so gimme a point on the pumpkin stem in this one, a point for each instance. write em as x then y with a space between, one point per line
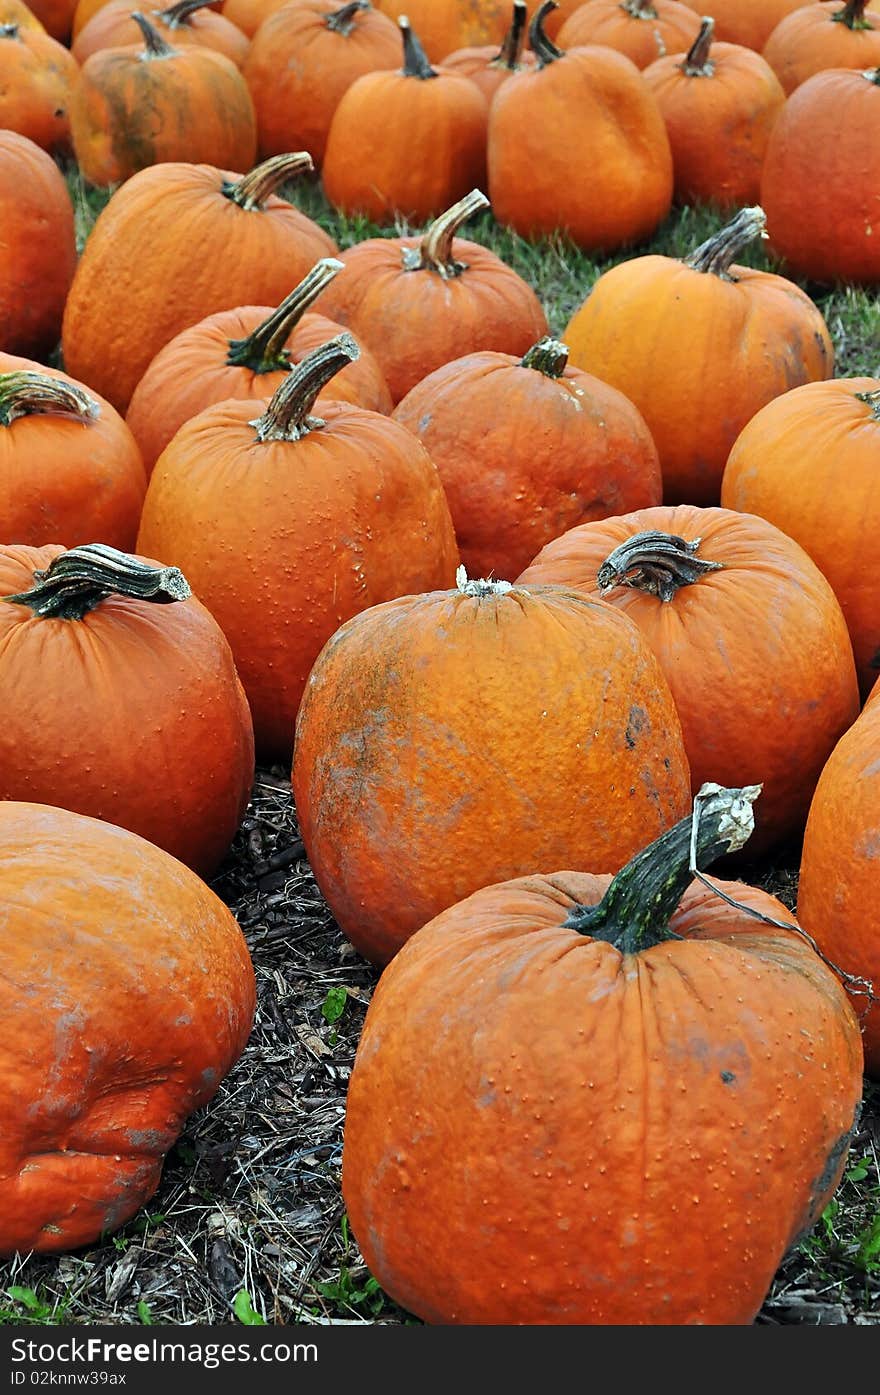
341 21
415 60
873 75
78 580
287 416
479 589
29 394
154 45
873 401
514 39
635 911
717 253
852 15
8 31
177 15
541 45
657 563
639 9
548 356
252 190
434 252
697 63
263 350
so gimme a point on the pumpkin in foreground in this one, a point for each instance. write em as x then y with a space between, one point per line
126 994
579 1100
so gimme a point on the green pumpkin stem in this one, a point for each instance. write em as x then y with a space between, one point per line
872 399
541 45
415 60
635 911
514 40
287 417
154 45
698 62
852 15
78 580
341 21
252 190
659 564
549 356
718 253
434 252
263 350
28 394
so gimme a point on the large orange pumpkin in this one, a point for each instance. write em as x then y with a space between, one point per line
828 35
808 463
449 740
488 66
746 22
187 22
37 247
126 993
585 1101
37 77
642 29
174 244
287 524
446 25
700 346
713 592
114 706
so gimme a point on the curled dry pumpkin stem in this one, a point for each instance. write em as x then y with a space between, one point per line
852 15
872 400
657 563
341 21
549 356
29 394
154 45
434 252
697 61
514 40
263 351
415 60
287 417
252 190
540 43
480 587
178 16
78 580
717 254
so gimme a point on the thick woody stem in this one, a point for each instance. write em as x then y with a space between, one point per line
543 47
548 356
434 252
718 253
659 564
852 15
415 60
287 417
253 189
154 45
179 15
698 62
78 580
29 394
263 351
341 21
514 39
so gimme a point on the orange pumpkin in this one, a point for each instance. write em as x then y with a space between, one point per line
446 25
187 22
712 591
578 1101
700 346
428 734
827 35
37 246
720 105
746 22
486 65
418 303
55 16
578 146
70 471
287 525
244 353
527 448
133 685
174 244
126 993
644 30
787 466
248 15
37 77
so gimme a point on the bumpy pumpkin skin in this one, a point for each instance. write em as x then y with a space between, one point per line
757 655
643 30
37 247
808 463
424 740
36 86
746 22
154 683
814 38
543 1130
445 25
113 27
127 993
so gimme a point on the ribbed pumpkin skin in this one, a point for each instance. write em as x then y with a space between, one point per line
699 356
524 456
746 22
283 541
808 464
810 39
126 993
144 722
113 27
38 77
298 70
821 182
191 373
542 1130
172 248
445 25
424 740
757 655
37 247
837 893
590 137
671 29
718 124
65 482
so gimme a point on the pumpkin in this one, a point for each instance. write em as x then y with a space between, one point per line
419 302
187 22
487 66
712 592
38 76
174 244
303 60
69 467
807 462
450 740
243 353
248 15
127 993
837 894
446 25
561 12
719 104
440 153
37 246
55 16
288 524
700 346
827 35
527 448
642 29
147 104
746 22
822 176
584 1101
578 146
116 707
